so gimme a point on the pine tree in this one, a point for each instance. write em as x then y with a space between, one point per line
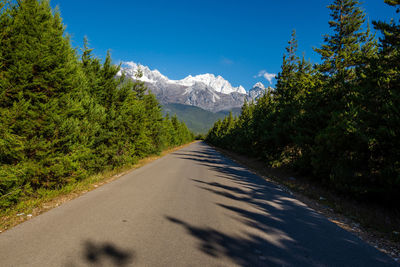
264 122
390 44
285 77
244 129
342 50
380 83
284 94
39 97
342 54
61 118
339 120
294 84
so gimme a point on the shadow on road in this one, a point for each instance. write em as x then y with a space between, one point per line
106 254
243 251
279 230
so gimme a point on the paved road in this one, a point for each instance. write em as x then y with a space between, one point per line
192 207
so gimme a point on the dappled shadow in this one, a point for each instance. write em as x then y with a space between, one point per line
276 228
106 254
243 251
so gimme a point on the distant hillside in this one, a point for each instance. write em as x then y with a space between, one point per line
197 119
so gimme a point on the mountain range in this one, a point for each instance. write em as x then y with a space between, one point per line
206 91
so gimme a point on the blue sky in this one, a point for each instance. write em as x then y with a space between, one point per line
234 39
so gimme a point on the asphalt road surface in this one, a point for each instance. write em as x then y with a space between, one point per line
193 207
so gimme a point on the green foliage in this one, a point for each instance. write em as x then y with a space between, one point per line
197 120
63 118
342 50
338 121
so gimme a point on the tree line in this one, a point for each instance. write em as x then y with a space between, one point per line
66 115
337 121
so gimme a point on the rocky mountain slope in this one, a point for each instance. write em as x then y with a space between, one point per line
207 91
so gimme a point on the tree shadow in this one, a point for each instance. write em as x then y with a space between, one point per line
277 229
106 253
243 251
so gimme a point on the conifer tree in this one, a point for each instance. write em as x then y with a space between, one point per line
342 54
390 47
39 95
342 50
139 86
288 69
379 104
61 118
285 92
339 120
294 84
390 42
244 129
264 122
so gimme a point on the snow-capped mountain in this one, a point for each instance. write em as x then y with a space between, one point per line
206 91
218 83
149 76
256 91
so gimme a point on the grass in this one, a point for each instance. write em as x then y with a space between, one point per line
46 199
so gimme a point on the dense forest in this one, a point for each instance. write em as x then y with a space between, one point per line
198 120
337 121
64 114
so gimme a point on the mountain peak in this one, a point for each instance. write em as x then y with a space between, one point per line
257 91
150 76
217 84
259 85
207 91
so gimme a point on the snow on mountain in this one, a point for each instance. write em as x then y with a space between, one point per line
149 76
218 84
206 91
259 85
256 91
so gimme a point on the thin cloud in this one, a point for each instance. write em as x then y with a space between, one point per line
226 61
266 75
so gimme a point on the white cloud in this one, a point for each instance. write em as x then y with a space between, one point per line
266 75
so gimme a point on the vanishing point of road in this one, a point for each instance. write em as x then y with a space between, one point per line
193 207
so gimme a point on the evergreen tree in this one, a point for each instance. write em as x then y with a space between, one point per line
390 42
284 96
343 53
61 118
40 97
264 123
244 134
284 81
339 120
379 88
342 50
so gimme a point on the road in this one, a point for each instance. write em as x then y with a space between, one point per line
193 207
